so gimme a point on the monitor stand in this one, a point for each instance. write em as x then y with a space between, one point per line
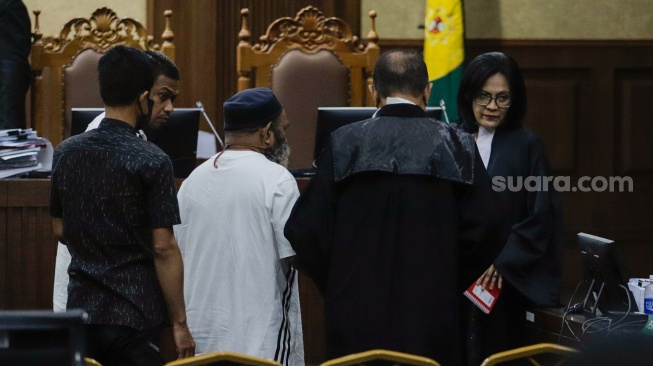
590 308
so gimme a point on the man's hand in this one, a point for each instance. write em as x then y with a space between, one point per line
184 342
170 271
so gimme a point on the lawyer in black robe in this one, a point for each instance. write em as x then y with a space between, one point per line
492 94
398 221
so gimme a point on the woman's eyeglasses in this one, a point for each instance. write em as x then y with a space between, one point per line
484 99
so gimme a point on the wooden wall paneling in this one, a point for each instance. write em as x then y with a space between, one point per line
633 91
194 25
16 276
30 245
4 273
553 112
350 12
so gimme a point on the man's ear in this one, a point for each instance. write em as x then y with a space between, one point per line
142 99
375 95
267 137
427 93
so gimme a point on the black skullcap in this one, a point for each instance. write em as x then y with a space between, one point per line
251 108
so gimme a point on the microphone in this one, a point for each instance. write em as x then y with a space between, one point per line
201 107
444 110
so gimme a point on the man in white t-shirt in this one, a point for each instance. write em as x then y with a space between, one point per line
240 288
163 94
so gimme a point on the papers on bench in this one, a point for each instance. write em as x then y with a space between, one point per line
19 151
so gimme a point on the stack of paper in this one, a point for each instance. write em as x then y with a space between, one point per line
19 149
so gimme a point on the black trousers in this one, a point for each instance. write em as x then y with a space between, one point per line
120 345
14 83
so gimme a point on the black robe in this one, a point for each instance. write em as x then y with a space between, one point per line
399 220
532 258
531 261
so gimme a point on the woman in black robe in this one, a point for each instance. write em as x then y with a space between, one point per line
492 105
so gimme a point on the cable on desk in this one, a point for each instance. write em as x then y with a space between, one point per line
590 322
624 325
564 316
629 306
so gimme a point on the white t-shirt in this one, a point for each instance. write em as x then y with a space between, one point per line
241 292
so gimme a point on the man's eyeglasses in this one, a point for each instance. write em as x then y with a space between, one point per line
483 99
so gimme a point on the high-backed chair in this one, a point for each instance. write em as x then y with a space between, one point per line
309 61
380 357
64 67
223 358
530 353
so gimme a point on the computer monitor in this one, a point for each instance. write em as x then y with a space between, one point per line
40 337
330 119
607 284
177 138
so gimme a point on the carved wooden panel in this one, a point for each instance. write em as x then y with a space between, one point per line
100 31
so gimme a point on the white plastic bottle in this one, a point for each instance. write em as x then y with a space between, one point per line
648 297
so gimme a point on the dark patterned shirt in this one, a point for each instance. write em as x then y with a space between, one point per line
111 189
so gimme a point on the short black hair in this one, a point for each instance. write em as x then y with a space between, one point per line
476 74
400 71
124 73
162 65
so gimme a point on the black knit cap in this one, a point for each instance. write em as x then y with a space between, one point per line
250 108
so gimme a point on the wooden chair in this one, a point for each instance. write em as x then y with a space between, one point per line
380 356
42 337
64 67
223 358
529 353
91 362
309 61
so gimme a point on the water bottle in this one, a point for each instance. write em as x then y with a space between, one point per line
648 297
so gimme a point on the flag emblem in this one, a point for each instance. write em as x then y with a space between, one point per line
437 25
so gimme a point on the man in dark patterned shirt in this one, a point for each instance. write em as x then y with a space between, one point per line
113 203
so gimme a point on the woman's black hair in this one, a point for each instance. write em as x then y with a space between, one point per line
476 74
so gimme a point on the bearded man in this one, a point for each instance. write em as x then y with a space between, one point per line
241 289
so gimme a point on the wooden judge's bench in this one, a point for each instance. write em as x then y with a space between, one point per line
27 246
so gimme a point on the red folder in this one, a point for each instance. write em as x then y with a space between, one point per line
484 298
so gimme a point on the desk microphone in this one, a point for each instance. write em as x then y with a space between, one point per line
444 110
201 107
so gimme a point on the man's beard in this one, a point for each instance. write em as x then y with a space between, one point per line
279 152
143 121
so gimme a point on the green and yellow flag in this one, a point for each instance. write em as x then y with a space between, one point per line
444 51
